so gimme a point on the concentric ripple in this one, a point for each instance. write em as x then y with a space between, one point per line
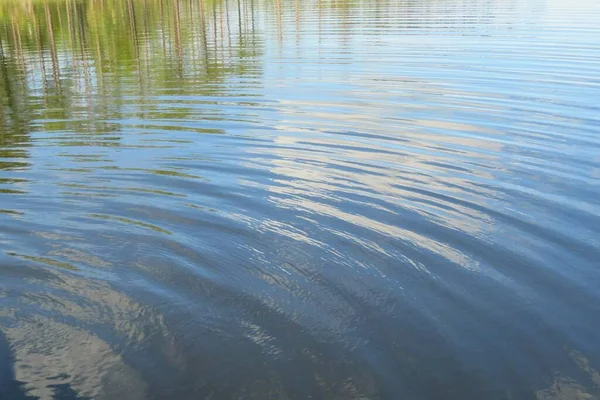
285 199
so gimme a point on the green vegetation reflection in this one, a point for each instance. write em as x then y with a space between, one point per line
93 66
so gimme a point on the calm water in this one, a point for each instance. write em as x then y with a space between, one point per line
279 199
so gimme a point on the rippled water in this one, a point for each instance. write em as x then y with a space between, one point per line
279 199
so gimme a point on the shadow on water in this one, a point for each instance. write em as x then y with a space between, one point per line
10 388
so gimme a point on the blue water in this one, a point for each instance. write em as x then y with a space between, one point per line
278 199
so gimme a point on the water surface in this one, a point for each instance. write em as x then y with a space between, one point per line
279 199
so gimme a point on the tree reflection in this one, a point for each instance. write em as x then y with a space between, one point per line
76 64
13 113
72 65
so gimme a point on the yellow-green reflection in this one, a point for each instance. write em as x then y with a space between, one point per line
84 59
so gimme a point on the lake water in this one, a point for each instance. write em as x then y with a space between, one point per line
300 199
